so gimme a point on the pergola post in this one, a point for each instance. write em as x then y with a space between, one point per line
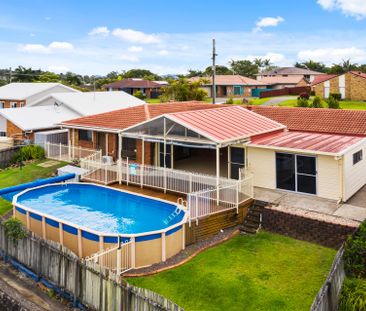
228 161
165 155
217 174
120 157
142 162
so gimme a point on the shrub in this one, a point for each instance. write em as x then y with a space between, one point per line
302 102
353 295
336 96
355 253
230 101
312 93
30 152
304 95
139 94
333 103
317 102
14 229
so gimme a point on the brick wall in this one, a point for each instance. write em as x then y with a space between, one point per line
328 234
148 157
7 103
355 87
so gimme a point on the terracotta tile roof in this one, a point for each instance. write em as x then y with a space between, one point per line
318 142
281 80
132 83
230 80
359 73
322 78
226 123
123 118
321 120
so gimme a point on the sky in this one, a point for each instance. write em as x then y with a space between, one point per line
171 37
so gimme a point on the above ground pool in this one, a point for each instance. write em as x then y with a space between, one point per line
88 218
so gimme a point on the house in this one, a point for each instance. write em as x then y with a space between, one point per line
101 131
15 95
150 89
307 151
52 109
308 75
351 85
230 85
280 82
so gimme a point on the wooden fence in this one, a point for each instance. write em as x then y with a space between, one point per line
286 91
87 283
7 154
328 295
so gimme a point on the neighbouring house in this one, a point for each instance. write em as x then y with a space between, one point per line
101 131
230 85
47 112
150 89
294 72
307 151
280 82
351 85
15 95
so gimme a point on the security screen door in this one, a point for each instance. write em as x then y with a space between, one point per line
296 172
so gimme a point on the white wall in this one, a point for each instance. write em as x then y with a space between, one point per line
55 89
354 175
3 127
262 163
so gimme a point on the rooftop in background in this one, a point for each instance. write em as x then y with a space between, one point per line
37 118
23 90
321 120
299 141
134 83
322 78
91 102
229 80
289 71
281 80
120 119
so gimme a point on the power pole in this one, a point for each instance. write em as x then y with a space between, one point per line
10 77
213 71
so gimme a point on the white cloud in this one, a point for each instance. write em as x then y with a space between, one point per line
355 8
163 52
43 49
56 45
268 22
129 58
103 31
135 49
330 56
58 69
135 36
276 58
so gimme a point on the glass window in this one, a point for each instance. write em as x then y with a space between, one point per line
129 148
2 134
306 184
2 104
357 157
85 135
306 165
285 171
238 90
237 161
13 105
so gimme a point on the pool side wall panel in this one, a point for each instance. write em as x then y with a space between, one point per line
173 243
148 252
52 233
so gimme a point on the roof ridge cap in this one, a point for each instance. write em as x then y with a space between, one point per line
147 112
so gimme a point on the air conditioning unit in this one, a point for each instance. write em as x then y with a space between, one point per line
107 160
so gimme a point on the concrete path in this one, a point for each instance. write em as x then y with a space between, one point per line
278 100
311 203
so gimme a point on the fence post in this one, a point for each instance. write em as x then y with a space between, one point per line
48 149
69 153
133 253
237 197
196 207
142 176
120 171
105 174
163 246
190 182
119 253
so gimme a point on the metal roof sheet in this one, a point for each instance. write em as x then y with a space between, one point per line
317 142
226 123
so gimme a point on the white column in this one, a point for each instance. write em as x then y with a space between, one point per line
228 161
142 162
106 143
165 183
217 173
119 146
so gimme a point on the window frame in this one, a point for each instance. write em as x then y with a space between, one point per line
13 104
357 156
86 138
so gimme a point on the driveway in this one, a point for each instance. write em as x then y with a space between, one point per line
354 209
278 100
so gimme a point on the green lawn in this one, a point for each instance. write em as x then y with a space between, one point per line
258 101
260 272
344 104
29 172
153 100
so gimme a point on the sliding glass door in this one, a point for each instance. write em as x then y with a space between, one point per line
296 172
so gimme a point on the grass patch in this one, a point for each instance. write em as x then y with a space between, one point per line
261 272
356 105
258 101
153 100
14 176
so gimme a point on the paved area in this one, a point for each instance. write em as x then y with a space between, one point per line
278 100
353 209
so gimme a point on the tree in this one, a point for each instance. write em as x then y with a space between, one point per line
343 67
182 90
141 74
194 73
264 64
220 70
244 68
312 65
72 78
22 74
49 77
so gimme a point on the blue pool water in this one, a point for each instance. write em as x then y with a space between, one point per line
102 209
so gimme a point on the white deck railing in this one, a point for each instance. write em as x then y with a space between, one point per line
117 259
70 153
